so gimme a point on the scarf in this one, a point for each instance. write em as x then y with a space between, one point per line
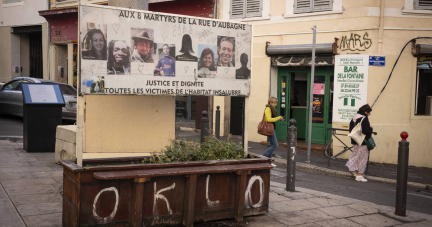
273 110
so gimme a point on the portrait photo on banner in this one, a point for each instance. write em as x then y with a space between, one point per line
94 41
207 61
243 72
226 51
164 59
142 45
187 49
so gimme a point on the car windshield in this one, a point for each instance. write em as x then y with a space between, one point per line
67 90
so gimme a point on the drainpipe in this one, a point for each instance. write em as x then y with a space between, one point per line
381 27
48 43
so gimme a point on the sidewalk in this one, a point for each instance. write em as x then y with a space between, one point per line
418 177
31 187
309 208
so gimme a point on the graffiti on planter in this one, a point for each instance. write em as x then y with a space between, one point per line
248 197
211 204
157 195
356 42
113 213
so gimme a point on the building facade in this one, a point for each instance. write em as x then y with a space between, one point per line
379 29
23 39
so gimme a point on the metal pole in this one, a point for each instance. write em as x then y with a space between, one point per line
217 129
402 175
204 126
311 96
291 160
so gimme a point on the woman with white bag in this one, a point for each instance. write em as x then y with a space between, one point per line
358 160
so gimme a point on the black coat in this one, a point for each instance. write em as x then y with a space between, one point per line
366 129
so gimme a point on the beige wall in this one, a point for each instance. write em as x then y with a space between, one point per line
394 112
127 125
5 57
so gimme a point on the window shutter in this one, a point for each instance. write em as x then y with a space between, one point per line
237 8
422 4
322 5
303 6
253 8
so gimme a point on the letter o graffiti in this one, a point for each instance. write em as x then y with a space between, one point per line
248 197
113 213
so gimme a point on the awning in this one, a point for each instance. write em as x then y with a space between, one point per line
301 54
422 49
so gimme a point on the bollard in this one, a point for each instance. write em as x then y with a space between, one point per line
217 129
204 126
402 175
291 160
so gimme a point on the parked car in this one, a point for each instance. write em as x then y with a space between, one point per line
11 99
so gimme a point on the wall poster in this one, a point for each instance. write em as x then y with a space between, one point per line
350 86
127 51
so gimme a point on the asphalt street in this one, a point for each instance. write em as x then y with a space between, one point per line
375 192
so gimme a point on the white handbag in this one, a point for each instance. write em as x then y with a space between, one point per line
356 134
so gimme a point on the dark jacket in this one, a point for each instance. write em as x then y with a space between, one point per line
366 129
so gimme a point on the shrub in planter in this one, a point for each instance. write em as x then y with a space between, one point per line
182 150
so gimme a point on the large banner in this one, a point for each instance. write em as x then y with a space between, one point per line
350 86
139 52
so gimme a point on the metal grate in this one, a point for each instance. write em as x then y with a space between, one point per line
36 65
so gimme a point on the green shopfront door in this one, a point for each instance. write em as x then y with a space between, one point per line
293 95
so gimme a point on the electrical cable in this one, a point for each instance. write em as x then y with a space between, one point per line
395 66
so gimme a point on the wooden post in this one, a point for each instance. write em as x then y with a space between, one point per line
240 196
137 202
189 201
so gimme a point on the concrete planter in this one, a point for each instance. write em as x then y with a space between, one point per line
122 194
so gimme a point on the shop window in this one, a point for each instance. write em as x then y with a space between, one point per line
310 6
246 8
423 4
424 92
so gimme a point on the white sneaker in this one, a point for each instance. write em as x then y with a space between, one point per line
361 179
273 165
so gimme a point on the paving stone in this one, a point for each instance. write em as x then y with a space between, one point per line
46 158
308 225
25 169
26 182
35 199
44 220
364 209
274 198
259 221
291 195
374 220
426 223
18 159
326 202
293 205
338 222
8 215
58 179
341 211
41 208
8 154
301 217
13 164
29 190
48 174
407 219
13 176
50 164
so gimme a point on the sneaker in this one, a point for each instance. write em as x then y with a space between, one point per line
361 179
273 165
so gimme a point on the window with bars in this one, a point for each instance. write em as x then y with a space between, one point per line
246 8
310 6
423 4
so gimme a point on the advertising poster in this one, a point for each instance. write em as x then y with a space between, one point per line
138 52
350 86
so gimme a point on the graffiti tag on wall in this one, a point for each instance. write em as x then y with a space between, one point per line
355 42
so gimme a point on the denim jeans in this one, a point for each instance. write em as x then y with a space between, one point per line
273 145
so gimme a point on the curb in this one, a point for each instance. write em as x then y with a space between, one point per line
333 172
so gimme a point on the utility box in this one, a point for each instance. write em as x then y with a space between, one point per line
42 113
